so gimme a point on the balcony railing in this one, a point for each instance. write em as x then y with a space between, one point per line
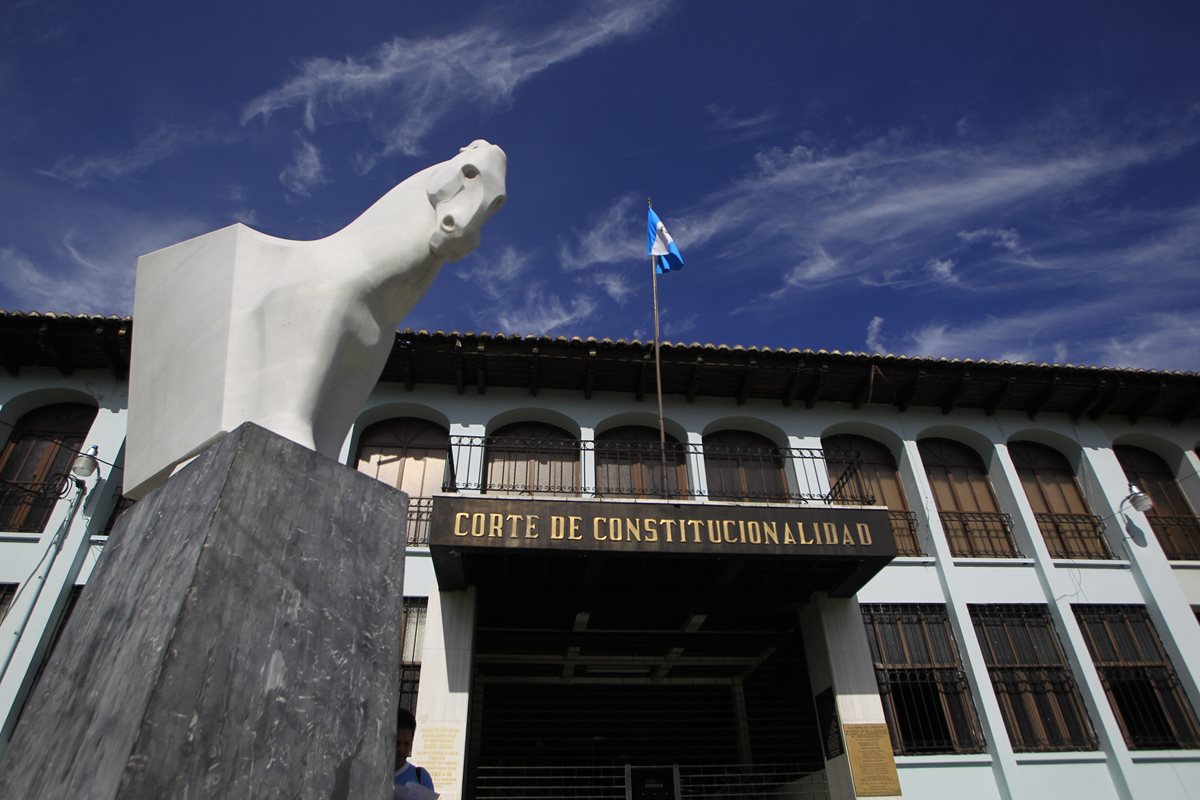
601 782
1179 536
904 531
1074 535
511 465
419 511
979 534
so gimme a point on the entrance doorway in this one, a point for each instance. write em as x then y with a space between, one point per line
689 672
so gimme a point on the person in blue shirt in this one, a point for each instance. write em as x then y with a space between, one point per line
406 728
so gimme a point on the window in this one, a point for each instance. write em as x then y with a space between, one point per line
35 462
925 694
532 457
8 593
1172 519
409 454
1041 704
412 643
1063 516
970 516
1142 687
629 461
744 466
878 471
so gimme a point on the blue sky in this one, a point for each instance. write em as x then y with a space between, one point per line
976 180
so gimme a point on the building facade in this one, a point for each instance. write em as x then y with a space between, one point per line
983 573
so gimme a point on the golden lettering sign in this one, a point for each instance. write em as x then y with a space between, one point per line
872 764
438 749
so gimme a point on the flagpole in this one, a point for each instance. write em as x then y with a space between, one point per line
662 429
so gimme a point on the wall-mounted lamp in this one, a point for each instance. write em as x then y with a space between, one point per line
85 464
1139 499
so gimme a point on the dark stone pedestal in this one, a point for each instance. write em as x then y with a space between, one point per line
240 638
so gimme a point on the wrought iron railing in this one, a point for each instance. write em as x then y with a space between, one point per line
1074 535
419 511
608 782
525 466
904 532
1178 536
979 534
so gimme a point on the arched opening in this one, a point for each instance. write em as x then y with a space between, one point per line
744 466
532 458
1068 525
632 461
409 454
877 470
35 462
1171 518
971 517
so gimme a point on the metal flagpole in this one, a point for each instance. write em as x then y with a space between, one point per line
662 429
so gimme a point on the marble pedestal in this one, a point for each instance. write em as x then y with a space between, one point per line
240 638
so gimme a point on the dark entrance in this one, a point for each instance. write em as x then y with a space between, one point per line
591 669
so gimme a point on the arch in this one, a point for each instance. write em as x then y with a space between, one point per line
886 437
744 465
405 452
21 404
35 462
388 411
1171 517
532 457
981 444
1070 449
1067 523
774 433
546 416
643 419
1168 451
966 504
878 472
631 460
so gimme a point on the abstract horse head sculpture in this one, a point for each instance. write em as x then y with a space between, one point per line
237 326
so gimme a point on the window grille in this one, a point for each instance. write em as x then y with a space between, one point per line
634 462
1172 519
904 532
1062 512
412 642
970 515
979 534
744 466
1139 680
1038 697
926 698
8 593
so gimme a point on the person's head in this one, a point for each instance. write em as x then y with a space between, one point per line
406 727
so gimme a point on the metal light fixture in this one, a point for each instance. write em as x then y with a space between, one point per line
85 464
1139 499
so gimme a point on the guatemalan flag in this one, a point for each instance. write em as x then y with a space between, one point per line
666 253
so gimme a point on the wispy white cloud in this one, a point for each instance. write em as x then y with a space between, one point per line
405 86
497 278
159 145
726 119
875 335
616 285
609 239
543 313
305 172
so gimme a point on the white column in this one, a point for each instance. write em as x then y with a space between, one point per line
697 475
440 745
839 657
587 461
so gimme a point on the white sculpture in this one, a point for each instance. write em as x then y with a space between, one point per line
236 326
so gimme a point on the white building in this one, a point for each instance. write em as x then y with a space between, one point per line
592 608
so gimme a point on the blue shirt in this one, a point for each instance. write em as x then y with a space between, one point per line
411 774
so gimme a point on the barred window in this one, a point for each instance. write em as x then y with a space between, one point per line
1038 697
1171 518
8 593
630 462
1142 686
35 461
409 454
926 699
970 515
412 642
878 471
744 466
533 457
1067 524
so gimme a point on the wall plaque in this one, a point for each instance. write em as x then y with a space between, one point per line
872 763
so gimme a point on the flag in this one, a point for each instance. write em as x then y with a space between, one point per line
666 253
